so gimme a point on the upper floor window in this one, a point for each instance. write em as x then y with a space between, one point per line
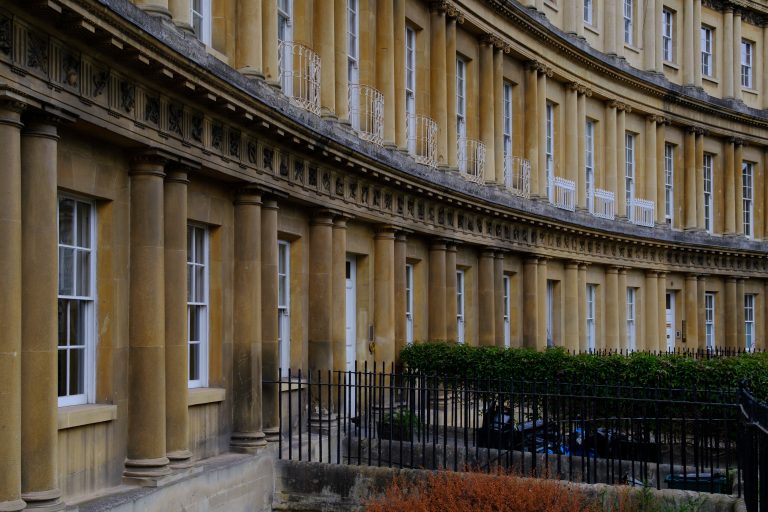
747 56
409 303
749 321
747 173
589 13
708 192
589 161
669 174
353 42
410 87
707 67
197 305
549 149
285 35
507 125
284 305
629 170
285 20
709 319
667 18
201 20
591 294
631 319
628 21
76 301
459 306
461 98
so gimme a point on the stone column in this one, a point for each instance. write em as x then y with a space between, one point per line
320 291
498 297
700 180
270 350
728 77
339 293
730 187
611 36
701 287
611 158
582 298
652 322
572 147
39 330
324 39
621 161
437 79
247 435
542 275
691 332
764 83
498 117
340 61
572 318
649 35
738 175
581 120
485 292
741 335
688 45
737 54
662 311
451 307
611 308
730 309
531 304
384 295
450 67
176 340
146 454
696 39
487 116
541 111
437 291
689 193
182 16
650 159
531 120
10 306
269 42
661 197
249 44
398 7
401 247
622 306
157 8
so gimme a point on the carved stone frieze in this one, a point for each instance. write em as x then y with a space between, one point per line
6 35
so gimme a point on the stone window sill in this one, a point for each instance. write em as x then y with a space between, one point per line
80 415
749 91
632 48
670 64
710 79
202 396
591 28
212 51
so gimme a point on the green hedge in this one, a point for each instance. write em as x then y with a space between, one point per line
556 365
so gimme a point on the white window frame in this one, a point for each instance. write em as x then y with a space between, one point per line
629 170
461 111
201 10
667 31
284 305
550 313
198 304
708 175
747 191
549 149
628 22
409 303
285 34
507 126
591 315
410 87
709 320
460 294
87 300
506 290
589 12
749 322
747 63
589 162
353 56
631 318
669 182
707 51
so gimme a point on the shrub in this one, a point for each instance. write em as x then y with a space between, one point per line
556 365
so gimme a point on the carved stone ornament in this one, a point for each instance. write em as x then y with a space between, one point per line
6 35
268 159
298 170
37 52
152 110
364 194
284 165
70 69
99 80
175 118
376 197
326 181
312 176
127 96
339 186
217 136
196 128
234 143
388 201
251 150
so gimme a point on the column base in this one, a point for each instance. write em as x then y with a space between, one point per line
180 459
157 10
146 468
272 434
251 73
184 27
12 506
163 480
43 500
247 442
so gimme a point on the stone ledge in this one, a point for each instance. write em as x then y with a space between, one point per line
202 396
89 414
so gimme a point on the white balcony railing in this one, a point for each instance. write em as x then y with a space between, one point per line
603 204
643 212
517 175
564 193
471 159
299 68
366 112
421 133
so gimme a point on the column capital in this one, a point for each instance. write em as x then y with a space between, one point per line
612 270
323 216
451 246
453 13
572 264
691 277
701 277
652 274
248 195
499 255
438 6
438 244
532 260
583 265
269 203
150 162
386 231
736 141
177 175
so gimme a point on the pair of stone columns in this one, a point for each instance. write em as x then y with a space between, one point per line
492 108
535 126
442 291
490 279
732 52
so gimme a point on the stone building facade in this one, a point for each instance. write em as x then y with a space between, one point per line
198 194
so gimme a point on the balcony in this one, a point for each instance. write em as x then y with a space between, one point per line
563 193
421 133
471 159
603 204
299 68
517 175
642 212
366 112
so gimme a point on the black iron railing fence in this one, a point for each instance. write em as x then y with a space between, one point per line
753 451
697 353
660 437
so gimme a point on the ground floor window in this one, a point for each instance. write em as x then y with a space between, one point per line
197 304
460 306
409 303
749 321
591 292
709 319
283 305
631 324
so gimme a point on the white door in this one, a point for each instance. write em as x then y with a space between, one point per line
670 321
351 344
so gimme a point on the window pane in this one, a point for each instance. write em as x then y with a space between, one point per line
194 361
62 374
190 283
83 225
63 312
83 273
66 268
200 283
199 245
66 221
76 371
194 323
